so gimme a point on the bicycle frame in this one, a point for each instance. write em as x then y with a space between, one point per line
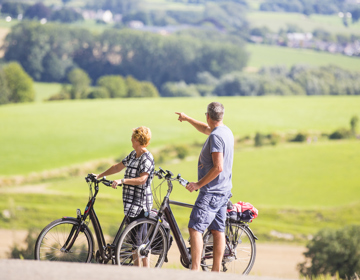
105 250
166 210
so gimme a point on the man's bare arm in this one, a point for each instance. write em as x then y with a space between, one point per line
218 162
200 126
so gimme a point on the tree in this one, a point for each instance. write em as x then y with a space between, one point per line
38 11
4 89
80 83
332 252
19 83
353 123
67 15
13 9
115 85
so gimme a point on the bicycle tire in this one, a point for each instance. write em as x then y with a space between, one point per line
243 245
135 237
50 242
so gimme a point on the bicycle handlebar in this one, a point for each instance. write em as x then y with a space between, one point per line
92 178
168 175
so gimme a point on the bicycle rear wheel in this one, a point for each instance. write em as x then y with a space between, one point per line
54 240
240 250
136 236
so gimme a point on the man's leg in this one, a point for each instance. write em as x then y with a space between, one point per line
218 249
196 243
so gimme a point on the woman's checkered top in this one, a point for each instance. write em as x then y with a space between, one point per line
137 198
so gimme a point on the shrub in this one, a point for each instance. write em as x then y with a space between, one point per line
182 151
341 133
19 83
62 95
259 139
333 252
114 84
99 92
300 137
353 123
80 83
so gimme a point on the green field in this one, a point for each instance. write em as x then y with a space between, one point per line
275 21
267 55
43 136
298 188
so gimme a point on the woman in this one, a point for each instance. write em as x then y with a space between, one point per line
139 172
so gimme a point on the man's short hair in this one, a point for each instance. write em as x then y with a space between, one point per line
216 111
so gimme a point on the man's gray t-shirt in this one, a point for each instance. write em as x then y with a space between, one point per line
220 140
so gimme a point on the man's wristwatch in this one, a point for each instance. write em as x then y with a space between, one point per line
122 181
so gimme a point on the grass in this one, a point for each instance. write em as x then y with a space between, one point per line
267 55
275 21
297 188
43 136
45 90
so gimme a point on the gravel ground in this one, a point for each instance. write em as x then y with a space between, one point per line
36 270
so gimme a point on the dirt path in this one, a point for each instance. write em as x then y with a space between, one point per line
272 260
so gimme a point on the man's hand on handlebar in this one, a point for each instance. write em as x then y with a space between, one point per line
192 187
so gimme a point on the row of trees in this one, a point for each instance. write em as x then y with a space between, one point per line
40 11
112 86
48 52
15 85
276 80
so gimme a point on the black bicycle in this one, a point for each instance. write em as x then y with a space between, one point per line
150 238
70 239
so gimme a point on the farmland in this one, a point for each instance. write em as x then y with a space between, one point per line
298 188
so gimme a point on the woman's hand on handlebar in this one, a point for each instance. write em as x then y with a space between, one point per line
116 183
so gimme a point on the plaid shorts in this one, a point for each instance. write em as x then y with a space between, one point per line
209 212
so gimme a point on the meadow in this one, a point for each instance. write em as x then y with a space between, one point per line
276 21
297 188
267 55
43 136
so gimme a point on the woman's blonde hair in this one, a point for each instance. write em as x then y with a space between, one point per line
143 135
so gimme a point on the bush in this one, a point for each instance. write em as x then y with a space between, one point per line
99 92
333 252
353 123
114 84
182 151
80 83
4 89
259 139
341 133
300 137
19 83
62 95
178 89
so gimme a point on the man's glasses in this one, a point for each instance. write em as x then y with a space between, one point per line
206 114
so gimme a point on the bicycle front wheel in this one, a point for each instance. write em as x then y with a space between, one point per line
130 250
54 242
240 250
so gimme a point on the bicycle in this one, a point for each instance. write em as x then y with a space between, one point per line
70 239
154 243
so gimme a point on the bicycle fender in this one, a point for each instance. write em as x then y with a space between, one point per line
253 235
83 225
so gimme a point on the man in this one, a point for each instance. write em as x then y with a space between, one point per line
214 175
